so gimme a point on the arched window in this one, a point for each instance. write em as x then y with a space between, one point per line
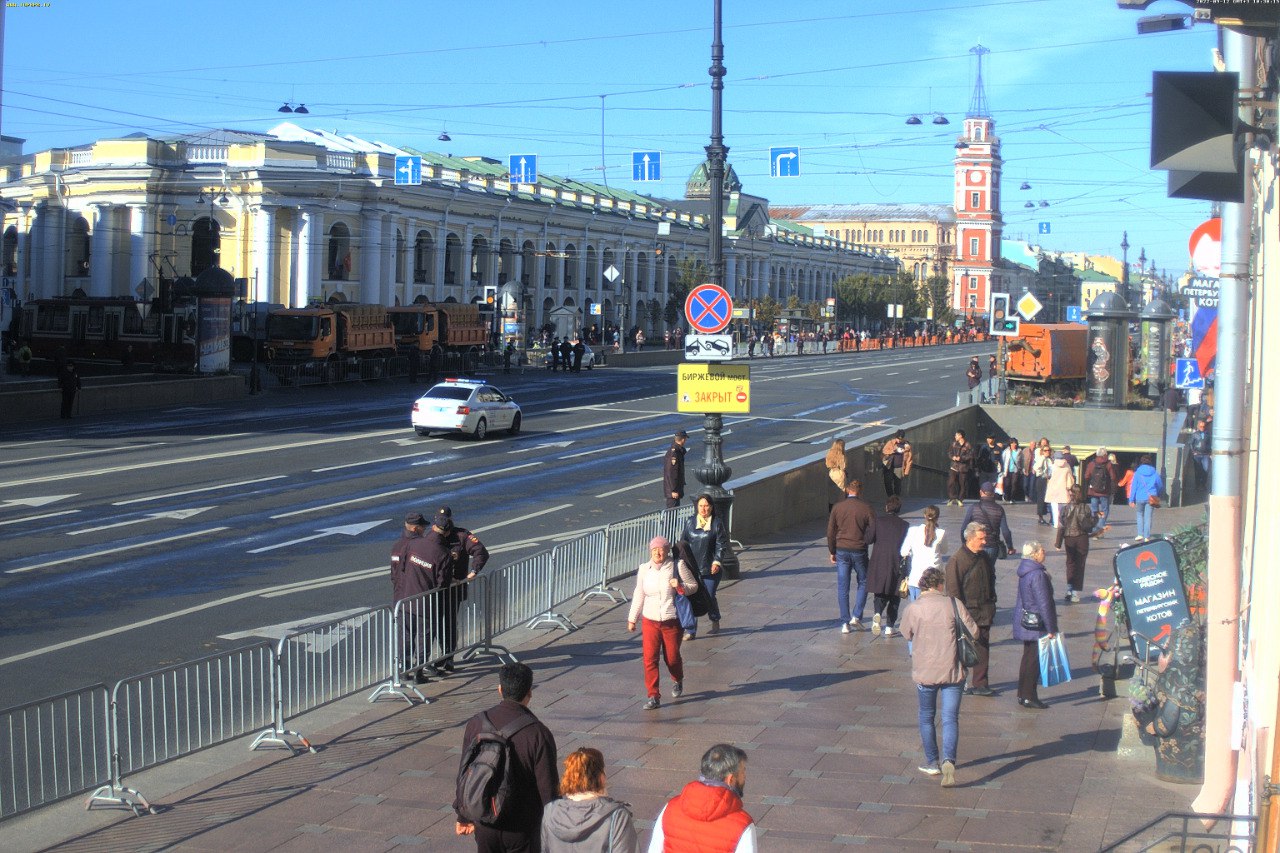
452 258
339 252
400 251
78 248
10 251
206 244
424 257
551 257
570 264
479 262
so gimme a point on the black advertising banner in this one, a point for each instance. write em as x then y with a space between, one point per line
1153 594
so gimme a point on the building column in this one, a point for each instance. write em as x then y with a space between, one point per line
442 249
387 263
410 259
140 242
306 281
731 273
464 274
21 274
100 251
264 252
370 256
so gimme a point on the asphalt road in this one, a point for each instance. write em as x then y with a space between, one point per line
133 542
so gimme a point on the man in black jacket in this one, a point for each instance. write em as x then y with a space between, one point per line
414 570
990 515
534 777
462 556
961 456
673 469
851 527
971 578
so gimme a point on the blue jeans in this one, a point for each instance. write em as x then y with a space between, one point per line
710 583
849 563
928 696
1028 487
1100 505
1142 513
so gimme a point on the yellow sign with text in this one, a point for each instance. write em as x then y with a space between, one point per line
714 388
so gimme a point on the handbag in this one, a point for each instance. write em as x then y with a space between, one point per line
1154 500
1031 620
1002 550
699 601
966 648
1054 667
901 574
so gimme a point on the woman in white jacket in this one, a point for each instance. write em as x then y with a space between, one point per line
654 605
924 546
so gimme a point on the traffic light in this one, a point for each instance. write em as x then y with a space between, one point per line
490 298
1002 321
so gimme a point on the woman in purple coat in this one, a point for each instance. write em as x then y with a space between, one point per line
1035 595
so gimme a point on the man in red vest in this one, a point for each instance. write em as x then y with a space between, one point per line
708 815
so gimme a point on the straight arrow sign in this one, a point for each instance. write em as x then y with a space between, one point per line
47 499
345 530
542 446
178 514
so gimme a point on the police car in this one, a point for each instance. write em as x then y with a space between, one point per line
466 406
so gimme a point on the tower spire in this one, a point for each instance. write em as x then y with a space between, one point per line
978 105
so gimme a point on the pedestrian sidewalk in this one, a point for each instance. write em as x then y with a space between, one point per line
828 721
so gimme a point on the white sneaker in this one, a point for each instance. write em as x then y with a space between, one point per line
875 625
930 769
844 629
855 624
888 632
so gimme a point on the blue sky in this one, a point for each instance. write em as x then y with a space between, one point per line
1066 80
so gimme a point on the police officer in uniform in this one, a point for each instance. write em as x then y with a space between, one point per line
673 469
462 556
414 570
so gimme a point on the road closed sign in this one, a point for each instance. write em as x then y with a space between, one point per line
714 388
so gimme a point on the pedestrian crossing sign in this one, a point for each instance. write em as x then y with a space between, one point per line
1187 374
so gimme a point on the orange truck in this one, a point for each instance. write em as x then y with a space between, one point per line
424 327
1047 353
329 332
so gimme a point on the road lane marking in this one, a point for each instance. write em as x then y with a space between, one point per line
95 451
648 416
203 457
492 472
176 513
104 551
278 631
344 503
165 495
35 502
38 517
612 447
345 530
371 461
498 524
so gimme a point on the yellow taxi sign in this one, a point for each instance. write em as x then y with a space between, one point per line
714 388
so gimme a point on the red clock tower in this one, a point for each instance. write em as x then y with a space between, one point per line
977 204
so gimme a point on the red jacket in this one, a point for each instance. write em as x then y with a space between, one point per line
704 818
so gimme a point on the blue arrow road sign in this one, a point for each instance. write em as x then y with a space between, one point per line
1187 374
1074 314
408 170
784 162
646 165
524 168
1044 227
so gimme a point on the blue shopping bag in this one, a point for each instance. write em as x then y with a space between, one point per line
1054 667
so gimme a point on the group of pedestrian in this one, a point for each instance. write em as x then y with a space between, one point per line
544 811
566 354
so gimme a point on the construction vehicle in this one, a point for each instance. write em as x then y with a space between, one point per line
329 333
432 333
1049 354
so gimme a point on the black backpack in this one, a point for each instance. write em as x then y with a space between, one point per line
484 778
1100 479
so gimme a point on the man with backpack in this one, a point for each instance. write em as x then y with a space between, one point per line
1100 479
508 771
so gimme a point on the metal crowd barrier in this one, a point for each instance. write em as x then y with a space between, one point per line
53 748
93 738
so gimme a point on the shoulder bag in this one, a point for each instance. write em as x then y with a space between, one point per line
966 648
699 601
1031 620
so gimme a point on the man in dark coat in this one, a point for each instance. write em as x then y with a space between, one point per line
462 556
566 354
961 456
971 578
415 569
555 353
673 469
974 374
851 528
988 512
69 384
533 772
579 349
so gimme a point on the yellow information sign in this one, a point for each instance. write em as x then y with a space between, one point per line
714 388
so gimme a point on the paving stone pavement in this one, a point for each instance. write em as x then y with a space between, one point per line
828 721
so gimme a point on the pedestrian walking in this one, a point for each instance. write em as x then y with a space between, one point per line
884 568
1026 470
579 350
1078 523
463 557
707 540
1035 596
973 375
1058 490
988 512
531 775
653 608
566 354
707 815
930 626
1100 479
414 570
555 353
586 819
961 455
896 458
69 385
851 528
837 462
1144 495
673 469
1201 448
992 372
508 353
1010 480
971 578
1041 469
23 357
924 546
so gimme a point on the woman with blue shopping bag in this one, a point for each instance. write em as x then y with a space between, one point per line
1034 618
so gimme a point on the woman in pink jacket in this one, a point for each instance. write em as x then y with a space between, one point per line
654 605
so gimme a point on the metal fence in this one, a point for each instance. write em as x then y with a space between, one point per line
53 748
94 738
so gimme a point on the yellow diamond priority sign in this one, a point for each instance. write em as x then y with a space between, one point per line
1029 306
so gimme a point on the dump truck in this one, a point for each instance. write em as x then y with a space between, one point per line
440 336
1049 353
329 332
